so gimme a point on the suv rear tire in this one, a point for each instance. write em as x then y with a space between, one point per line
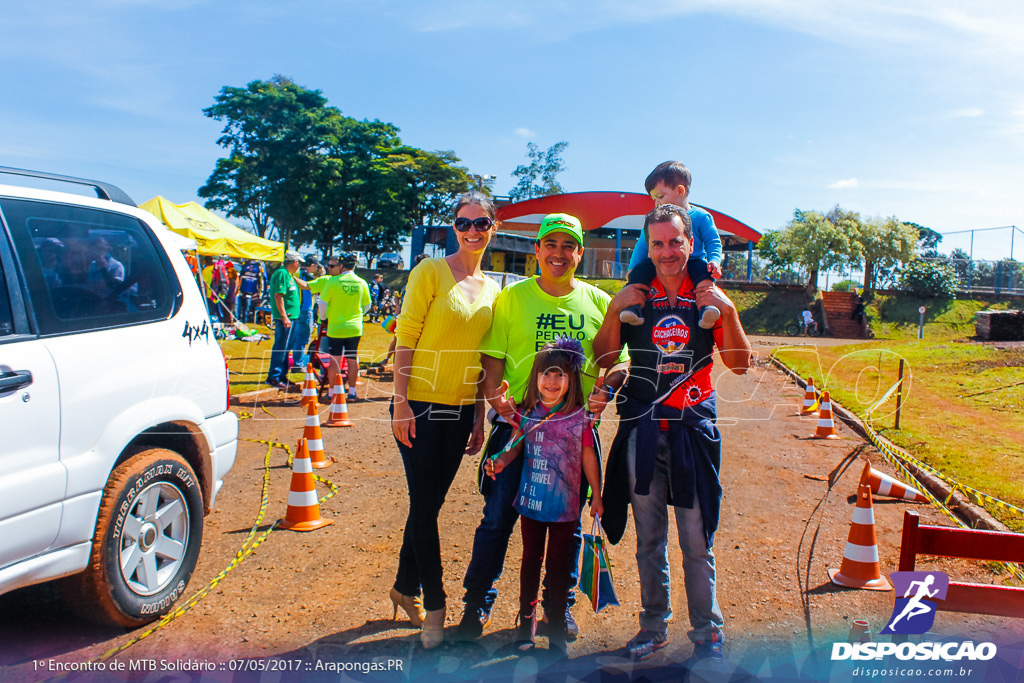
146 544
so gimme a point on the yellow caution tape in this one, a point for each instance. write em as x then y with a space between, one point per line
877 404
900 459
250 544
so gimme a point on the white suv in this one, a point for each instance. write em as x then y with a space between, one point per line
114 428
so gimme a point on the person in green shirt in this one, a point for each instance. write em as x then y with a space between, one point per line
527 315
348 299
284 307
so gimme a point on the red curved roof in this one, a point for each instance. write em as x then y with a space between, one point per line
598 209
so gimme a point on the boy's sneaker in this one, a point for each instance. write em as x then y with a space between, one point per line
709 316
710 650
645 644
572 629
632 315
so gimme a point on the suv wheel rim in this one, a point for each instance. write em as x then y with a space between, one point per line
154 539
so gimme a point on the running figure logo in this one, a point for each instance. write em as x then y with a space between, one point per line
915 611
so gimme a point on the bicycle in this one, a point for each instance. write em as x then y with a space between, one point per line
798 328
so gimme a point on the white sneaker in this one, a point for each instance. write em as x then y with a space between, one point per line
709 317
631 316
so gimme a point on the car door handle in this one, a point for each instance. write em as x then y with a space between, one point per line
14 380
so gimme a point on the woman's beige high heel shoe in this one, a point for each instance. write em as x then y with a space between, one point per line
433 628
413 606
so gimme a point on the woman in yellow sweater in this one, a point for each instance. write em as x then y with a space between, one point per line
437 414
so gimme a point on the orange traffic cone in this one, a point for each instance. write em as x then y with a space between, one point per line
860 567
309 392
314 438
810 398
338 417
303 507
884 485
826 426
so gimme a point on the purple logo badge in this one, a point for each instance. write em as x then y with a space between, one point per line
916 596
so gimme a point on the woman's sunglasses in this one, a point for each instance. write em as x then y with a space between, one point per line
482 224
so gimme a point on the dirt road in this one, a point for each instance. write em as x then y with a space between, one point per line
307 602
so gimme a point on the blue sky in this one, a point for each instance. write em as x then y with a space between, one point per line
913 109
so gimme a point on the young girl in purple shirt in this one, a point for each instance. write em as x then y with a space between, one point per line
557 440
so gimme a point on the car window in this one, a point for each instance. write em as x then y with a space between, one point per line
88 268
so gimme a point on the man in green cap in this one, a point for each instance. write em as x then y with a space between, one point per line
527 315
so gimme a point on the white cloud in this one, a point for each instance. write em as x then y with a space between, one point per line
525 133
968 112
991 29
847 184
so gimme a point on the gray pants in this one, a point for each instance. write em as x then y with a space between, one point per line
650 515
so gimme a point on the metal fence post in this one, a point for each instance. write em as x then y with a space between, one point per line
899 396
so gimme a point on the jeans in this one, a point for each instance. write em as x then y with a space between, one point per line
247 307
650 514
279 353
490 542
302 327
442 432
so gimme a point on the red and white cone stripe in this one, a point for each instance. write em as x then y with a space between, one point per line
303 505
826 426
884 485
860 567
810 398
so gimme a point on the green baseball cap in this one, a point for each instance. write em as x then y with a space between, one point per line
561 222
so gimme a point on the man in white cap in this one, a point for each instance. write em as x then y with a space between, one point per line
284 307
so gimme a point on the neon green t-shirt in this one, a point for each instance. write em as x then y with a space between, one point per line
347 296
281 282
526 318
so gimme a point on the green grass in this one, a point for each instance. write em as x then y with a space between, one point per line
973 439
894 317
767 312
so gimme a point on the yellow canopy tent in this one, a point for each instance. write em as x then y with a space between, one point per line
213 234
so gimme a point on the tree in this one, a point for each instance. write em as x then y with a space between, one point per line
930 279
322 177
357 204
274 133
884 244
434 180
539 178
927 240
237 188
814 241
961 262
